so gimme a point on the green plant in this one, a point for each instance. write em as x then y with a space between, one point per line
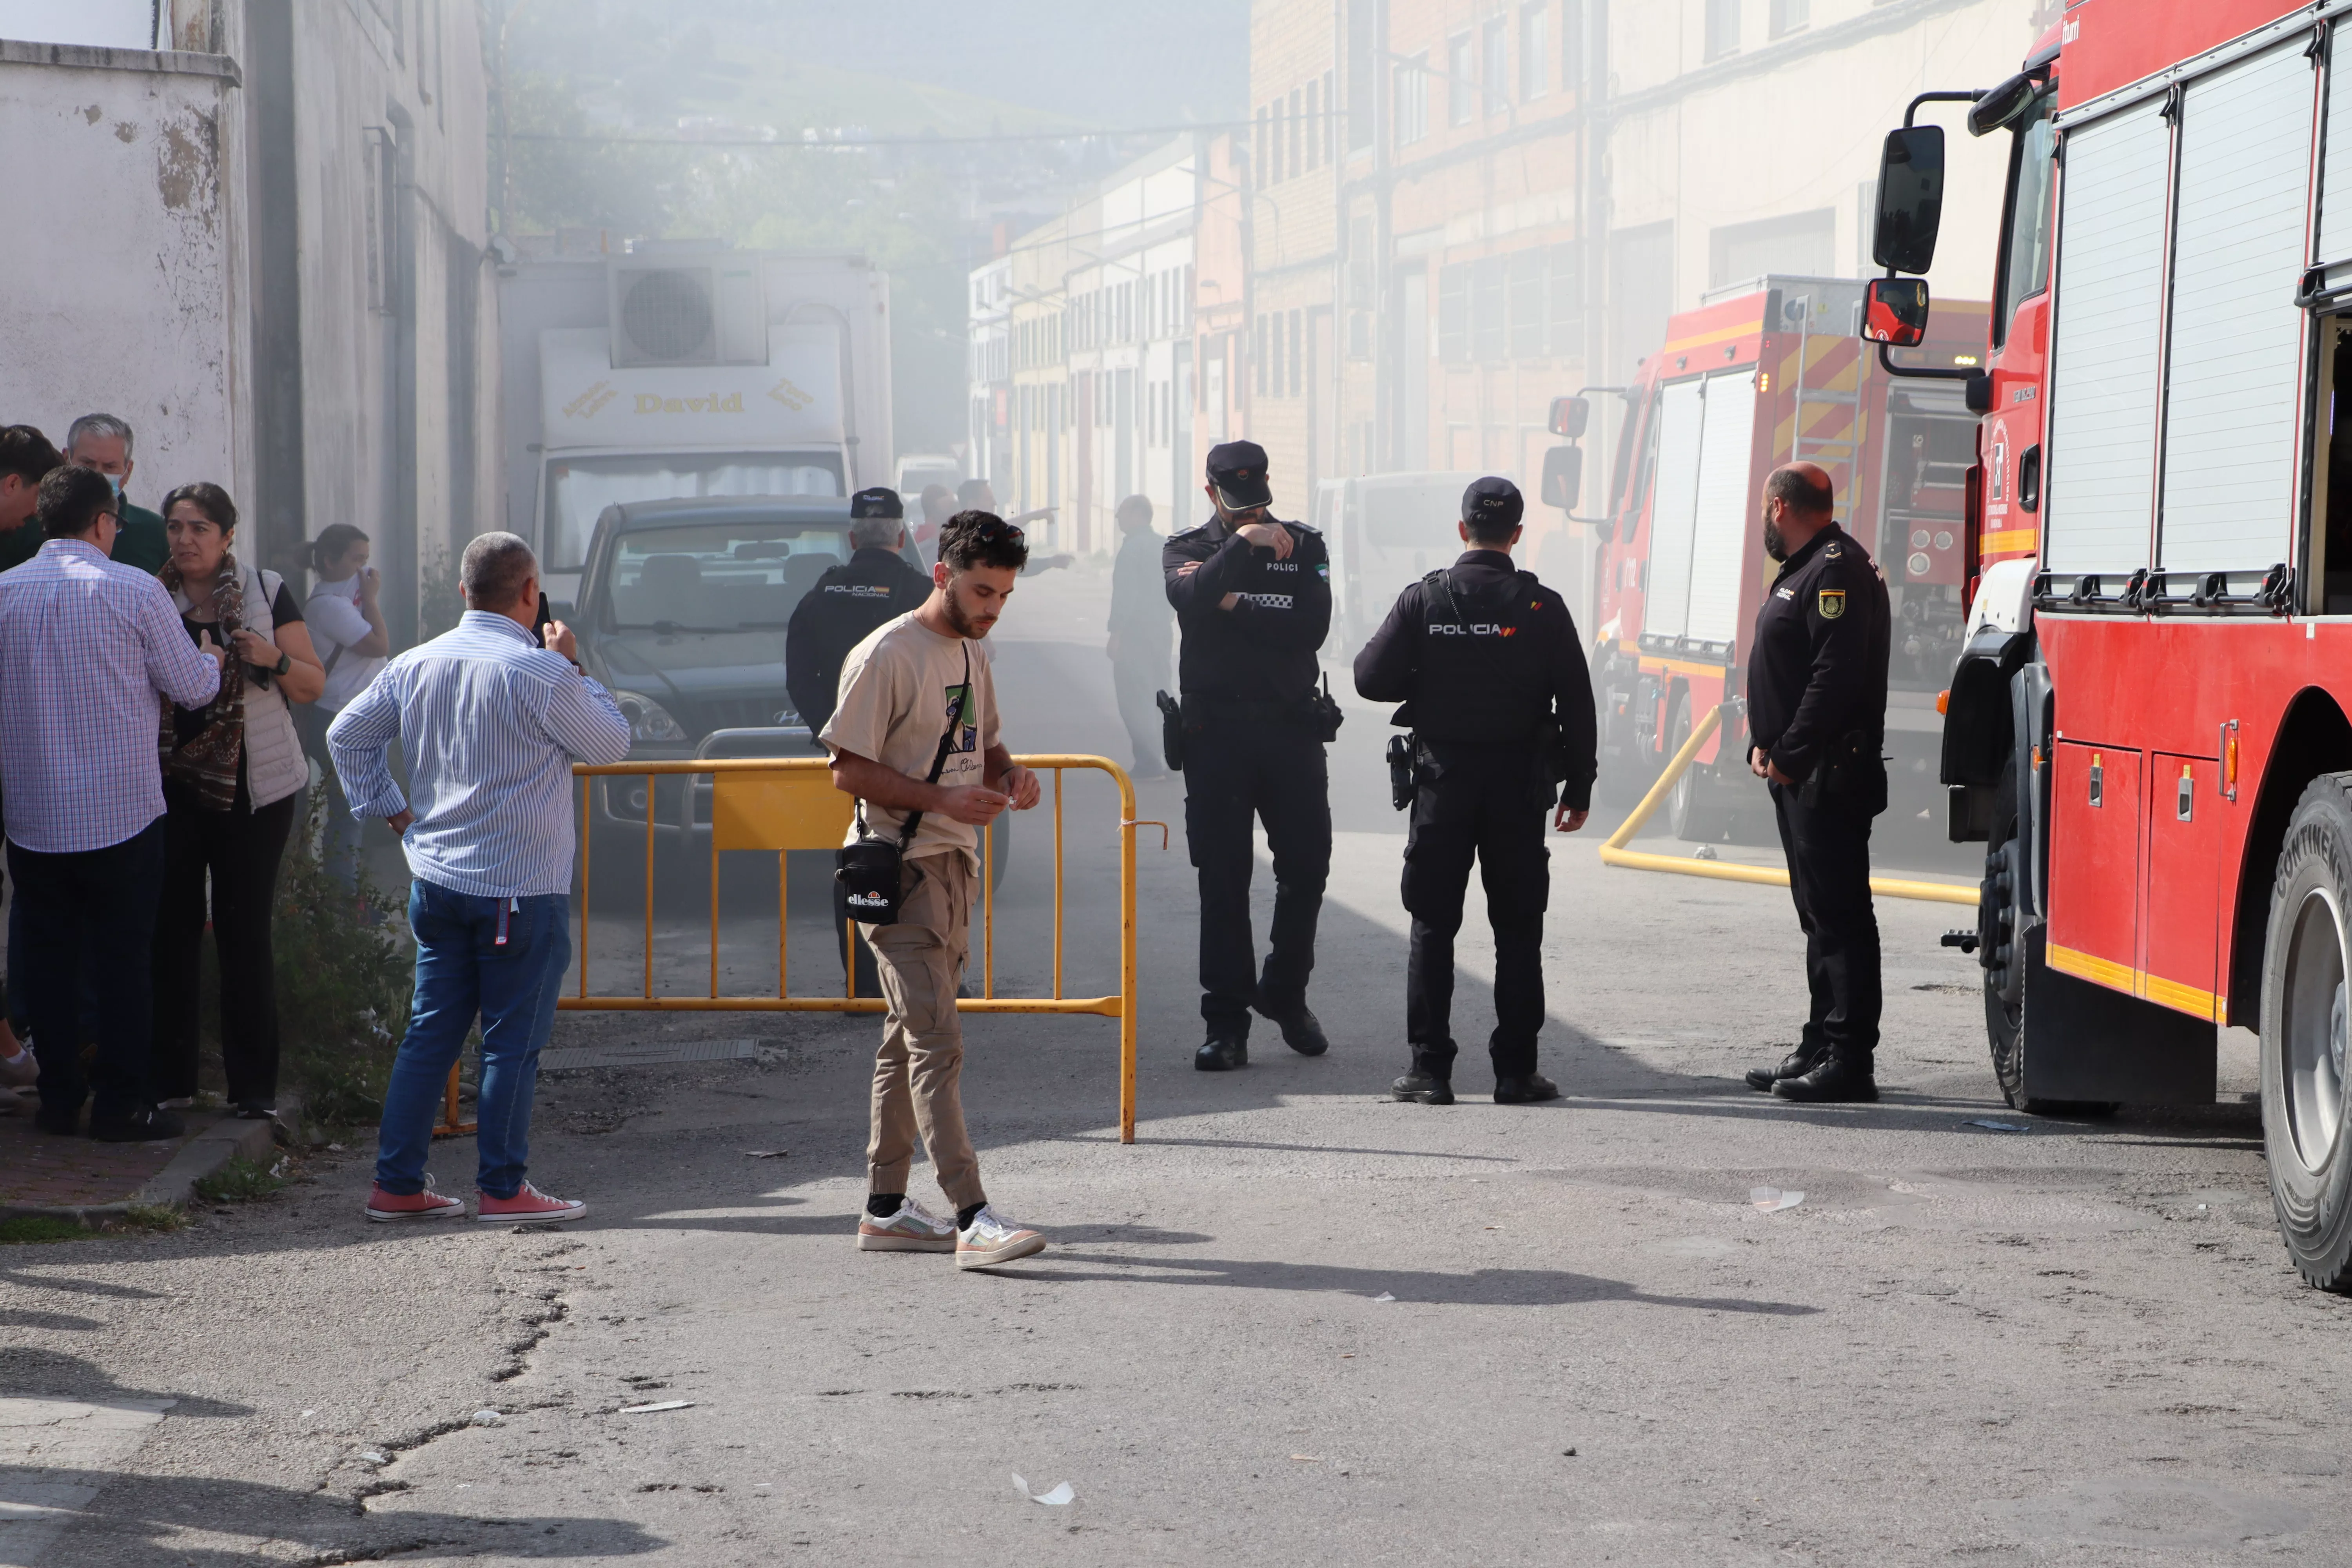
152 1216
343 985
33 1228
239 1181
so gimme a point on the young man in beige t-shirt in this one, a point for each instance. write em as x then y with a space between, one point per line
902 689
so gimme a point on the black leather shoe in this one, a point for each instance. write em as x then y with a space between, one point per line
144 1125
1832 1082
1796 1064
1302 1031
1222 1053
1426 1088
1525 1090
63 1123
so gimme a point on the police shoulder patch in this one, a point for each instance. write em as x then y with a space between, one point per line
1832 603
1833 552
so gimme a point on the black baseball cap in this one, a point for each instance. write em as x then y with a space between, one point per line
880 500
1238 470
1494 503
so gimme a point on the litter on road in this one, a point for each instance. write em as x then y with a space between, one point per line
658 1404
488 1417
1991 1126
766 1154
1385 1296
1773 1200
1060 1495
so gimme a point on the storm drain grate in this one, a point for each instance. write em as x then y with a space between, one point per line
647 1053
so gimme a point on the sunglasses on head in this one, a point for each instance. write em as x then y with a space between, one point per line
996 528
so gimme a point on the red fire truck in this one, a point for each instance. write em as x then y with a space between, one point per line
1764 372
2147 723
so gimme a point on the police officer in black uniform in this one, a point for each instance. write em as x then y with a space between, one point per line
877 583
1817 714
1492 675
1253 599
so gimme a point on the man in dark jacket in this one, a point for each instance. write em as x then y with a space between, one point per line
1492 675
1140 625
1252 595
1817 714
875 585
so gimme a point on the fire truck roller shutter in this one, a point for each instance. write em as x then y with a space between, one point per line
2336 156
2235 368
1727 509
2099 480
1682 413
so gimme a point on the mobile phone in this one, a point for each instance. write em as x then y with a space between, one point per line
539 626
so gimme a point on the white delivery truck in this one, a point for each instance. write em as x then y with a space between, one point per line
677 370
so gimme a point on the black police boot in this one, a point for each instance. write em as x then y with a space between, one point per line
1302 1031
1796 1064
1423 1086
1527 1090
144 1124
1832 1082
1225 1050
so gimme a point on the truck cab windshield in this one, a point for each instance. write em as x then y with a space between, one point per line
579 489
2025 238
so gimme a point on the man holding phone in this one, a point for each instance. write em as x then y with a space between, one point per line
914 738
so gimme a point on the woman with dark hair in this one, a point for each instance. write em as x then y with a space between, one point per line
347 627
232 772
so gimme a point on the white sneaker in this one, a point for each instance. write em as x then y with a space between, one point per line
913 1229
989 1240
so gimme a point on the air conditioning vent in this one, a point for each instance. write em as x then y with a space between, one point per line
713 313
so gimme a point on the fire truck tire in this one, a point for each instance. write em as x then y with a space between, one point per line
1690 806
2305 1022
2007 957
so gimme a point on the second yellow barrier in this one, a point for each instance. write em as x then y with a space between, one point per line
1614 853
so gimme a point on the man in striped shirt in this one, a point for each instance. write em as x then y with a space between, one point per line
489 722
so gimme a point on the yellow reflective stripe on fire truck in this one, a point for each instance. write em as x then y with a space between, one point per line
2136 982
2005 539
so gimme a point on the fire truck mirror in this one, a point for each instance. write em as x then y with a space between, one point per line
1568 415
1563 477
1894 312
1910 198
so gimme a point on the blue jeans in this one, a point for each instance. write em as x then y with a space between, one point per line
503 959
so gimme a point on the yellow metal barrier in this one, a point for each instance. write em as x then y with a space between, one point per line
1614 853
781 804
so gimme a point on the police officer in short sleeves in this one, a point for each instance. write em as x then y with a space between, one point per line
1817 716
1253 599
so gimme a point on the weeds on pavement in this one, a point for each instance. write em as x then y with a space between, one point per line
139 1218
240 1181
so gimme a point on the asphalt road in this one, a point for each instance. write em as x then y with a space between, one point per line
1293 1323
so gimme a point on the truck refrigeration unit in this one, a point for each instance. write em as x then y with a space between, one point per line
1764 372
686 370
2147 726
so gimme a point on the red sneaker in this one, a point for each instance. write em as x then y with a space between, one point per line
426 1204
528 1206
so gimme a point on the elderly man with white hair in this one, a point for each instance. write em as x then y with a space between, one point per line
489 722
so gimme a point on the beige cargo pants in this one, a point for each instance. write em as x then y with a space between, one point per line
917 1072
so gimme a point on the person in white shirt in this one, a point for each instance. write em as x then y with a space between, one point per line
346 628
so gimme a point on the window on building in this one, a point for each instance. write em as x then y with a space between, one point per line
1327 138
1274 337
1311 126
1297 353
1535 52
1571 45
1257 354
1495 42
1275 170
1265 169
1461 81
1453 315
1413 100
1363 72
1524 287
1489 328
1722 28
1564 289
1788 15
1297 135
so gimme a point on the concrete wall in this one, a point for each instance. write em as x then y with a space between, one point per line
122 271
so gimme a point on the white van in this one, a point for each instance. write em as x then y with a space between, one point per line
1384 530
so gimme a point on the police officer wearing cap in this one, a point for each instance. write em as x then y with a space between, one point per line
1492 675
1817 715
1252 600
877 583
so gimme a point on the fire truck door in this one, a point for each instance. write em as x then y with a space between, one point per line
2180 933
2095 816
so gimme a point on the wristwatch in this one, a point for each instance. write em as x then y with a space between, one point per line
284 662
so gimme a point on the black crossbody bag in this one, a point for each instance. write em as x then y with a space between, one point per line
869 870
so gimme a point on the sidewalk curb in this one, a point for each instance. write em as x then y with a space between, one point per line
204 1154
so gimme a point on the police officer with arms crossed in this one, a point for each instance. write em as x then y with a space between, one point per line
1253 599
1492 675
1817 712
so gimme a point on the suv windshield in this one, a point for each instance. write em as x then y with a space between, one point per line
718 577
579 488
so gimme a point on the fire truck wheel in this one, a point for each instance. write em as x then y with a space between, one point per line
1689 807
2305 1035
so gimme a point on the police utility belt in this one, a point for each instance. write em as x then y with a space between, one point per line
1316 712
870 869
